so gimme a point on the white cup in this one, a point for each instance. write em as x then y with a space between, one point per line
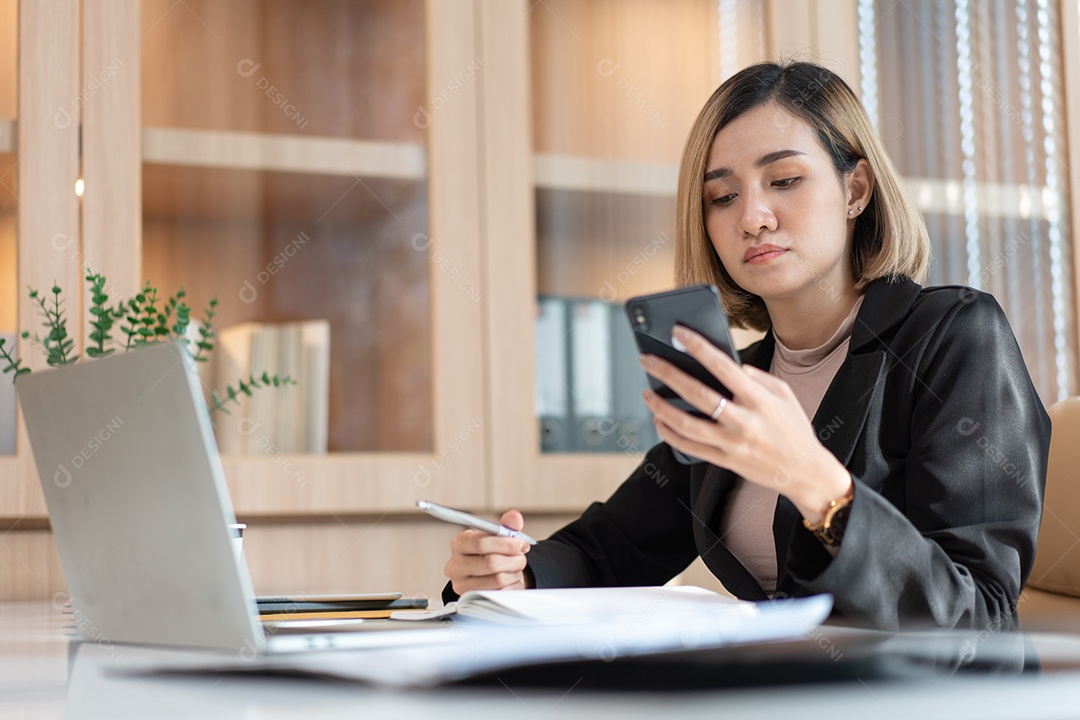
236 532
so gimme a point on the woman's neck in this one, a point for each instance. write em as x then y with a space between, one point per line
808 322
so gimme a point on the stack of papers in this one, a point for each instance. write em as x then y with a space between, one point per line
632 622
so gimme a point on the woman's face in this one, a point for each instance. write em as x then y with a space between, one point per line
774 208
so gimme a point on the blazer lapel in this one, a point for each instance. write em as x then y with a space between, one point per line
838 424
736 578
707 489
841 417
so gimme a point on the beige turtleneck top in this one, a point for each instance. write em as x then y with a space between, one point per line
747 519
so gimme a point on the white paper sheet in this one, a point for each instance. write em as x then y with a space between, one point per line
478 647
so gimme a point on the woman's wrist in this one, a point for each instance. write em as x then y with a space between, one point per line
822 482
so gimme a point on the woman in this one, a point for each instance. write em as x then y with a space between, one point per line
915 493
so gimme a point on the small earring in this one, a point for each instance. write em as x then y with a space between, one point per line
850 212
860 208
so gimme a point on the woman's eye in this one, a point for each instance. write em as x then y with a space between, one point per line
786 182
724 199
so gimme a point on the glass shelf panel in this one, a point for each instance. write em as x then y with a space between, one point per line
284 172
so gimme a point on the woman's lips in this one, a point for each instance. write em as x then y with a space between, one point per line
762 253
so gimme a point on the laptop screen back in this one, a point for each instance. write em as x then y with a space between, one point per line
137 501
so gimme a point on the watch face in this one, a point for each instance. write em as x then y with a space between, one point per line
838 524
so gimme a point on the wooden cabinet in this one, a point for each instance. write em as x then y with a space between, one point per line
417 173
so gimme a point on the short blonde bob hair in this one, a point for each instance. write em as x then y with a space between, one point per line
890 236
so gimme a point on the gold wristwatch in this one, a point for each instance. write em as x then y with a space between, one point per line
830 530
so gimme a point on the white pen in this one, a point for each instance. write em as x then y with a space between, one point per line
457 517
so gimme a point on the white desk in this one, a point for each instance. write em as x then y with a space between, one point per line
44 675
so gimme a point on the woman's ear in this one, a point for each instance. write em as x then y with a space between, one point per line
860 185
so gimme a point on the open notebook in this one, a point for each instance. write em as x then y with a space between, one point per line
582 605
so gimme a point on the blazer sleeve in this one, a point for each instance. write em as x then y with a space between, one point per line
960 550
642 535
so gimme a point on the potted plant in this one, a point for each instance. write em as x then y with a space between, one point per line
144 319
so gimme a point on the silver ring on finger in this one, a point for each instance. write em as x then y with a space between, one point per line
719 408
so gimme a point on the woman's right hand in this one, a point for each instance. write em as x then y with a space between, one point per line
479 561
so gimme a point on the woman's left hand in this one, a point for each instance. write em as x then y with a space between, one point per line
762 433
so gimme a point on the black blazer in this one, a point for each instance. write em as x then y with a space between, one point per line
933 413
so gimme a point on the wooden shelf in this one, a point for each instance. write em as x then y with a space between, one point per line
565 172
282 153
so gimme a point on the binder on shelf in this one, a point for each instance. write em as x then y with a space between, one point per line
588 380
315 341
290 418
552 378
591 376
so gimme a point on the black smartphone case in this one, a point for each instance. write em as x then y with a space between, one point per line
698 307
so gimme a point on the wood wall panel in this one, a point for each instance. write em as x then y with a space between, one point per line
190 54
455 250
350 69
111 157
29 566
48 211
349 555
617 78
321 67
339 555
9 58
346 554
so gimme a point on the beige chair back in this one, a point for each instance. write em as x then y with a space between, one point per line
1057 559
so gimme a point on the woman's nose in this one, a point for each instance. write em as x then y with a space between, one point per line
756 216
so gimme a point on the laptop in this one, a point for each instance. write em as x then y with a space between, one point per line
140 511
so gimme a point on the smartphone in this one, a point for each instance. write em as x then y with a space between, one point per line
698 307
